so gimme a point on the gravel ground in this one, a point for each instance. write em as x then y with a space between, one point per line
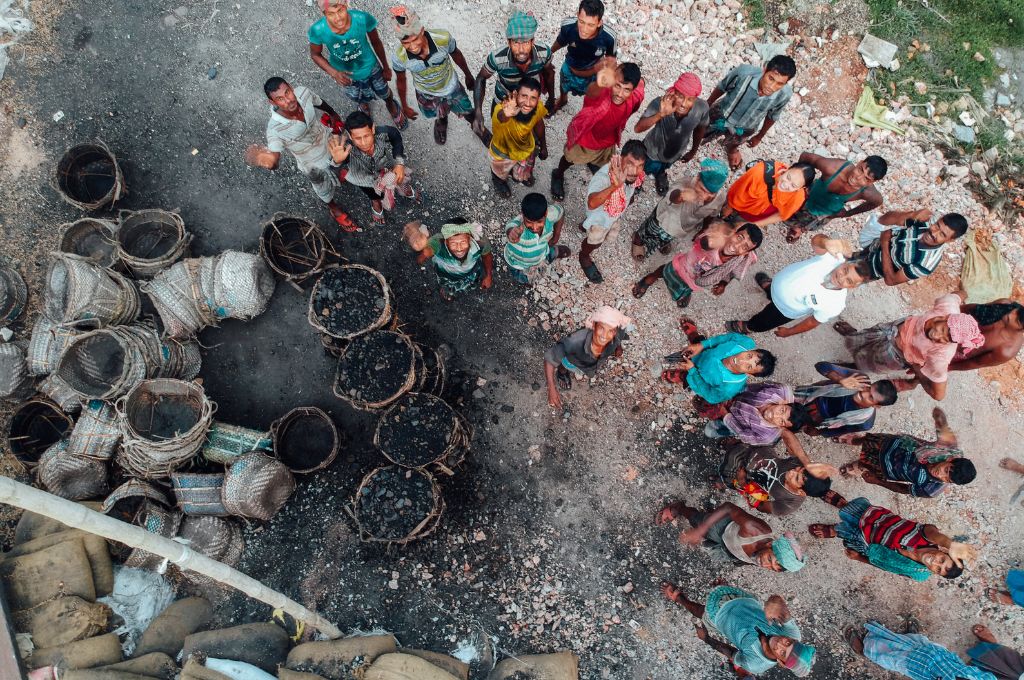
547 540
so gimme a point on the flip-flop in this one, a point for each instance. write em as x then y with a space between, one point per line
593 274
674 375
441 130
735 326
763 280
557 185
688 326
378 217
850 633
640 289
793 234
674 510
345 223
827 530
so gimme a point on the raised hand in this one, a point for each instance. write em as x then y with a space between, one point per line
668 104
615 173
962 552
259 156
855 382
510 107
606 74
339 147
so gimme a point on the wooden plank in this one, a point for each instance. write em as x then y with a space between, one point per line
10 665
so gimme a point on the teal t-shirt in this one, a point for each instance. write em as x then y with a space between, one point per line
350 52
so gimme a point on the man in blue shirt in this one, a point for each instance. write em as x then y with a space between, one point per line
717 369
587 42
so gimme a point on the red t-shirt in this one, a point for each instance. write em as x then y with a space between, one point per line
607 130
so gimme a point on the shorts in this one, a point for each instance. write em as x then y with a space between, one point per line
365 91
324 181
730 137
577 155
570 82
677 288
598 234
432 106
653 167
652 236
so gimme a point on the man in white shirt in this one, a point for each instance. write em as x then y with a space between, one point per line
813 290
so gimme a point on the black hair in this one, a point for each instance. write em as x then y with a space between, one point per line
953 571
755 233
592 8
530 83
782 64
535 206
815 487
630 73
798 417
886 391
273 84
634 148
986 315
862 267
956 222
877 167
962 472
807 169
767 361
358 119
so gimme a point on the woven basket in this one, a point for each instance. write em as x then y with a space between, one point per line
149 241
218 538
130 500
422 529
35 426
155 520
85 295
47 344
316 317
60 393
199 494
72 477
294 247
90 238
13 294
15 382
365 348
456 437
301 421
257 486
431 372
225 443
96 434
88 176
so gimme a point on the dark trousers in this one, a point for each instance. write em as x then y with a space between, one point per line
768 318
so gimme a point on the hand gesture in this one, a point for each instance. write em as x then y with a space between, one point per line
775 609
838 247
258 156
821 470
855 382
606 72
342 78
415 235
554 399
939 416
687 195
339 147
962 552
923 215
516 233
510 107
668 104
615 173
399 171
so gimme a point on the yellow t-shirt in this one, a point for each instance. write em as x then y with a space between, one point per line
513 138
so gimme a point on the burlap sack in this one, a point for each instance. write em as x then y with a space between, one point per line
558 666
63 620
60 569
168 630
442 661
152 665
96 551
193 670
405 667
264 645
32 525
337 659
89 653
102 673
285 674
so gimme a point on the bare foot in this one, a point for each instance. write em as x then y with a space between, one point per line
854 469
671 592
1012 465
822 530
854 638
669 513
982 632
998 596
843 328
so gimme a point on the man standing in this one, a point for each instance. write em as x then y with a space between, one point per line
750 97
610 192
735 536
682 213
813 290
841 181
772 484
518 137
912 655
718 256
587 42
522 58
355 58
902 246
533 237
911 466
847 403
677 122
596 130
924 344
1001 323
302 123
374 161
717 369
430 56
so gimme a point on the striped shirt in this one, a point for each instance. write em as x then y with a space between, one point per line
305 139
434 75
453 266
532 248
908 254
388 151
899 461
509 75
741 105
883 527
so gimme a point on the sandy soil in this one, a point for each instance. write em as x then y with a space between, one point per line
547 542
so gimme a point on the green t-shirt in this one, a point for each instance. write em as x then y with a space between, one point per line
350 52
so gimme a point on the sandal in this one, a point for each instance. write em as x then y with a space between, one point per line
640 289
501 186
689 328
557 185
669 513
737 327
563 380
529 181
661 183
763 281
843 328
671 592
593 274
441 130
854 638
562 252
793 234
378 217
822 530
674 375
345 223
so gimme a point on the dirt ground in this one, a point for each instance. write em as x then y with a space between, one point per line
547 542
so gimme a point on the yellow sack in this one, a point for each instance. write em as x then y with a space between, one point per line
985 276
869 114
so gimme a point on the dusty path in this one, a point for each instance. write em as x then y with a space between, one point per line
548 542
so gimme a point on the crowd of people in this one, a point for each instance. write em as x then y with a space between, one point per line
714 221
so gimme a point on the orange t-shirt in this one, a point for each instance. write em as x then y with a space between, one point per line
748 195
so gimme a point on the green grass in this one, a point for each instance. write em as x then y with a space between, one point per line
984 24
755 13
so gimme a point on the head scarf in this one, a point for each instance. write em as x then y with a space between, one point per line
800 660
788 552
324 4
896 563
474 230
986 315
964 331
609 316
713 174
407 23
521 26
688 85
